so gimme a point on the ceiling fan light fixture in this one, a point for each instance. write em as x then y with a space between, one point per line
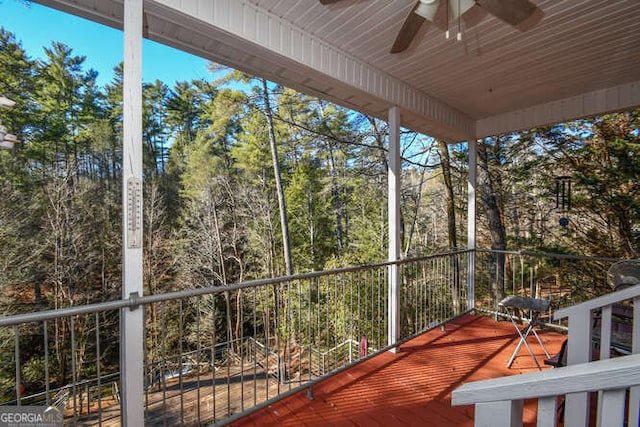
427 9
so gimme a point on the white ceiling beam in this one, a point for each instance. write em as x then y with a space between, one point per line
617 98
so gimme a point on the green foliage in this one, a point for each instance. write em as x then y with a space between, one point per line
309 207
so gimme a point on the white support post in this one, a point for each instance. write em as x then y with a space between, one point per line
547 411
393 197
611 413
132 319
578 351
471 224
506 413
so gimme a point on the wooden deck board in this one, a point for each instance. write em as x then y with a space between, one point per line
413 386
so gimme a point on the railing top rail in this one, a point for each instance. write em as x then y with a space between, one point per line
620 372
134 301
599 302
550 255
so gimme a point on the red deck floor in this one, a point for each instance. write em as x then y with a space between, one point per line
413 386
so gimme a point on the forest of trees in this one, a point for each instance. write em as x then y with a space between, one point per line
211 199
246 179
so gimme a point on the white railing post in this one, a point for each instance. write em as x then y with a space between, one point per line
393 200
507 413
547 411
498 401
132 319
578 351
611 412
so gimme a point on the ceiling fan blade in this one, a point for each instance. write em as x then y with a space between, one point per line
328 1
441 19
145 25
408 31
512 12
474 16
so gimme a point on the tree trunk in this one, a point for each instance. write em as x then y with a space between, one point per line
416 212
279 189
496 227
337 200
445 164
335 190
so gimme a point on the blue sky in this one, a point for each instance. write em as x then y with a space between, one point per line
37 26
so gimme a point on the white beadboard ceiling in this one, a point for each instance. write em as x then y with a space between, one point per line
581 59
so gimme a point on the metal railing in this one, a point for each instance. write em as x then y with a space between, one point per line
564 280
433 289
212 354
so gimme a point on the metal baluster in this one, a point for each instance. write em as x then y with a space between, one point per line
359 305
418 279
163 366
180 367
319 319
453 303
330 339
74 376
267 328
147 367
439 274
371 320
309 329
380 316
255 349
431 279
385 310
521 263
432 273
288 345
350 310
18 388
301 343
213 305
98 369
276 322
426 285
198 359
433 290
47 384
514 273
240 316
228 345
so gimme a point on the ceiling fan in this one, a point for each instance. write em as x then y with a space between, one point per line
440 12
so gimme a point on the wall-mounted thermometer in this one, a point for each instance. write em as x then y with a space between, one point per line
134 213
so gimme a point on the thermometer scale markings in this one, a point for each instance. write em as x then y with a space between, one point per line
134 212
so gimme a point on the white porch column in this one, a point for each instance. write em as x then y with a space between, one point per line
576 405
393 197
471 223
132 320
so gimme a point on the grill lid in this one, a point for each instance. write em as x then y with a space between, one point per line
623 274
